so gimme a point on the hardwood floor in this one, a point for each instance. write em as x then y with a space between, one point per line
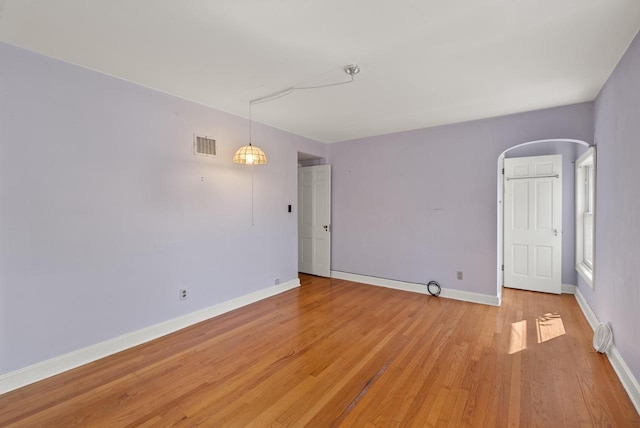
338 353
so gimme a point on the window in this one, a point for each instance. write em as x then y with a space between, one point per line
585 215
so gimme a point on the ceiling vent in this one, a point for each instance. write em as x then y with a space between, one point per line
204 146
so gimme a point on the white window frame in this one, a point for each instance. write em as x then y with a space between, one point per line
586 215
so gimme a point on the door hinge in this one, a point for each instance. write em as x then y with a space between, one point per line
502 268
502 171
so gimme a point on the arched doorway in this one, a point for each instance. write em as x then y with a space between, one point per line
571 147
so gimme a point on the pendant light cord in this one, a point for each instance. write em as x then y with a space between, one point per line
351 70
285 92
250 122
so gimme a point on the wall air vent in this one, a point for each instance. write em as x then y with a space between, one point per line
204 146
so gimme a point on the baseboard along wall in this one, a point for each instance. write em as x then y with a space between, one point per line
628 380
31 374
447 293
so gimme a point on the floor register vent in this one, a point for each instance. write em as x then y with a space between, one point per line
204 146
602 338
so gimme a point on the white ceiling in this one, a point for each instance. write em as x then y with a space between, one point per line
424 62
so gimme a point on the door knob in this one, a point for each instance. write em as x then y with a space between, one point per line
555 232
326 227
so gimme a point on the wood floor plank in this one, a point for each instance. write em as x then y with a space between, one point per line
339 353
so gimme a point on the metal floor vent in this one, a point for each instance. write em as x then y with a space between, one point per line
204 146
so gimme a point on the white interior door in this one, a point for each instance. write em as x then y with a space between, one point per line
314 220
532 223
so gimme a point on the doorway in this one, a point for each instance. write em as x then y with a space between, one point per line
314 219
533 223
571 150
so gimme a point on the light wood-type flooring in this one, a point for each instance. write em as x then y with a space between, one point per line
338 353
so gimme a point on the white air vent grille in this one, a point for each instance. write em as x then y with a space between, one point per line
204 146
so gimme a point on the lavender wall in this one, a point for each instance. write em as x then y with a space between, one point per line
421 205
103 214
616 297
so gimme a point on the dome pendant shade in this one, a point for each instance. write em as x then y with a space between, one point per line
250 155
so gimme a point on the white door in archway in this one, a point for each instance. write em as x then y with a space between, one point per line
532 223
314 220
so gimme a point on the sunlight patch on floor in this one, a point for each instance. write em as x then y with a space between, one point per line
549 326
518 340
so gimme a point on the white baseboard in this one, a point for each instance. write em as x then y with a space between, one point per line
591 317
628 380
568 289
447 293
30 374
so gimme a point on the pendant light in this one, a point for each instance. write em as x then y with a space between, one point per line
250 155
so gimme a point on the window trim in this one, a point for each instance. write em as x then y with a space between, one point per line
586 163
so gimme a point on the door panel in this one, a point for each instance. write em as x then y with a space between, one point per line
533 215
520 263
544 261
314 220
521 206
544 205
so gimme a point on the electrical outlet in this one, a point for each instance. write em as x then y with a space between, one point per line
183 294
277 281
459 275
